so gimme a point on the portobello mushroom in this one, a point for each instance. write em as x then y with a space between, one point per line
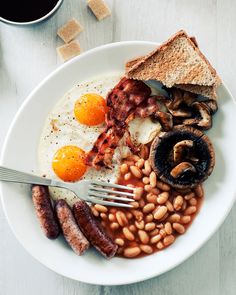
182 157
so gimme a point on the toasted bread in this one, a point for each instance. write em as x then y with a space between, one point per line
177 61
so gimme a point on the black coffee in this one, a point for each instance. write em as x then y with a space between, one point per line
25 10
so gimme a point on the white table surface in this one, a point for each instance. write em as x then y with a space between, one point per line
28 54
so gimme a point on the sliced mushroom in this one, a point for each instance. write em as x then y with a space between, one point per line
182 112
181 168
165 120
202 118
179 149
212 106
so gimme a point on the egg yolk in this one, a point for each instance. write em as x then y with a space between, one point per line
68 163
90 109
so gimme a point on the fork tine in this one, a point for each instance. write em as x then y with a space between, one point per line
98 189
94 194
100 183
106 203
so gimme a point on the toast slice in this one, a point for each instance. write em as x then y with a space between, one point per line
177 61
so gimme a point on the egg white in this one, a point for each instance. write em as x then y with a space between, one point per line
61 129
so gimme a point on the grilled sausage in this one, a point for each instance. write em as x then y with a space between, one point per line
93 230
44 211
70 229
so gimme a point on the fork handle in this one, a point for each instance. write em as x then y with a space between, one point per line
11 175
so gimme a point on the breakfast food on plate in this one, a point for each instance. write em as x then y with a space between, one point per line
44 211
121 129
70 228
93 230
99 9
178 62
67 51
69 30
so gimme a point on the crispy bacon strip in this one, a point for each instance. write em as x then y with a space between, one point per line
129 98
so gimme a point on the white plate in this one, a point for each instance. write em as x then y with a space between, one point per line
20 152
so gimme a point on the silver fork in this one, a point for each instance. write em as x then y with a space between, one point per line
88 190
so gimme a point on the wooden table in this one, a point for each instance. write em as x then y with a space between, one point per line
28 54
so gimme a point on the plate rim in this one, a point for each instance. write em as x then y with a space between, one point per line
5 144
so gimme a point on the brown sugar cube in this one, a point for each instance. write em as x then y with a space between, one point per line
70 30
99 8
69 50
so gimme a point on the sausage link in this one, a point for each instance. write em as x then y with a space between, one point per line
44 211
70 228
93 231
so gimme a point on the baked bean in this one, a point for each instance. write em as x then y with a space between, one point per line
132 228
134 204
162 198
150 226
128 234
143 236
169 206
151 198
130 185
162 233
190 210
148 208
100 208
168 228
185 219
178 202
153 179
121 218
141 203
129 215
163 186
174 218
134 158
193 201
124 168
132 252
154 232
119 242
160 245
94 211
138 192
127 176
160 212
189 196
103 216
114 225
179 227
140 163
155 239
146 249
139 224
136 171
199 191
146 180
184 206
149 218
113 210
148 188
147 167
168 240
111 217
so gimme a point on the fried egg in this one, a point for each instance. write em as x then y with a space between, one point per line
71 129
